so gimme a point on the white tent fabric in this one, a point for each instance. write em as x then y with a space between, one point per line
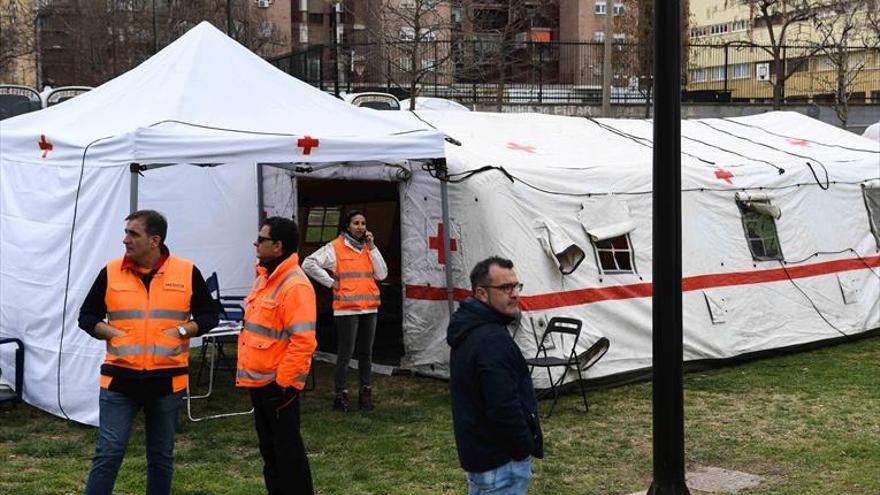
551 167
873 131
64 191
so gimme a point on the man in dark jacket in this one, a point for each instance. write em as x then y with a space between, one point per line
494 410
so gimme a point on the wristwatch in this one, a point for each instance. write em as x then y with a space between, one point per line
181 330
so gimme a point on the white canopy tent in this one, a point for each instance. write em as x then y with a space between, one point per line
66 186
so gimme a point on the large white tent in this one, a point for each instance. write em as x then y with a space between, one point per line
545 190
65 186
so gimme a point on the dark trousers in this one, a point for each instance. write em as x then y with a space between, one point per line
350 329
117 412
285 465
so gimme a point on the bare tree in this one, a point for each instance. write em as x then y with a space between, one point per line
841 24
785 22
17 39
637 61
91 41
413 42
496 44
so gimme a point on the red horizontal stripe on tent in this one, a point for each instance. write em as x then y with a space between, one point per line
744 278
586 296
583 296
434 293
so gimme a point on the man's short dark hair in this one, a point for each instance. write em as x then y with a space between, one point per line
284 230
480 272
154 223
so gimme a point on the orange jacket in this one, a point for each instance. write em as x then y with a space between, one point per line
357 285
143 315
278 336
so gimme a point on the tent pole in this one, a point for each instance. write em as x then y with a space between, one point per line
135 170
260 203
444 205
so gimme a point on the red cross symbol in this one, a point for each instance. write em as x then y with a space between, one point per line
724 175
307 143
46 146
437 243
519 147
799 142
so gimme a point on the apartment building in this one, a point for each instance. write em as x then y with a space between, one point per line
723 57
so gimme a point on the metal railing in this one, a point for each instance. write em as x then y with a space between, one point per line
494 71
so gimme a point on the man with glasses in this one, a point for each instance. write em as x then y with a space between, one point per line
494 410
146 305
275 353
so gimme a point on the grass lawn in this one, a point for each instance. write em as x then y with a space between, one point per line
808 423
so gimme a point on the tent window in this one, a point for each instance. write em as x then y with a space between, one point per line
758 218
615 255
323 224
872 202
566 254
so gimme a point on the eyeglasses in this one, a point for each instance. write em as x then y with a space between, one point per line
508 288
261 239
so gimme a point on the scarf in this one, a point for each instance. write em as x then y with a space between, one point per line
357 244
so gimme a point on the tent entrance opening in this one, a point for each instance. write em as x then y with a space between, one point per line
322 206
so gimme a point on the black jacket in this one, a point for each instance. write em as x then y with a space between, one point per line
494 411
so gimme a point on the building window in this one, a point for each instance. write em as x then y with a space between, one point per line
739 71
759 222
717 73
408 4
599 36
316 18
698 75
615 255
407 34
427 34
619 37
323 224
429 64
600 8
872 202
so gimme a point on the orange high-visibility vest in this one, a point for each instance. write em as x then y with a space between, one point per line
357 284
278 335
143 315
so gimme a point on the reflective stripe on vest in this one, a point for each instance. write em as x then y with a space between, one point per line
137 314
286 332
343 276
365 297
357 289
252 375
143 316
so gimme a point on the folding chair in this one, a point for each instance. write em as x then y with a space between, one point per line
580 362
232 310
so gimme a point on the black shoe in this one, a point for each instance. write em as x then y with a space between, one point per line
365 399
341 402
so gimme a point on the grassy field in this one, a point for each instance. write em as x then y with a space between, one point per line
809 424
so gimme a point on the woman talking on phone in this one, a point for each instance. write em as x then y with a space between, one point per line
350 265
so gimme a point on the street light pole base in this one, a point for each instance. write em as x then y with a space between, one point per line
668 488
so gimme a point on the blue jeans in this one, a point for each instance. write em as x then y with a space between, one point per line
117 412
508 479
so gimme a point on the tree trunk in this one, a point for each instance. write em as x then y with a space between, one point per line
778 83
